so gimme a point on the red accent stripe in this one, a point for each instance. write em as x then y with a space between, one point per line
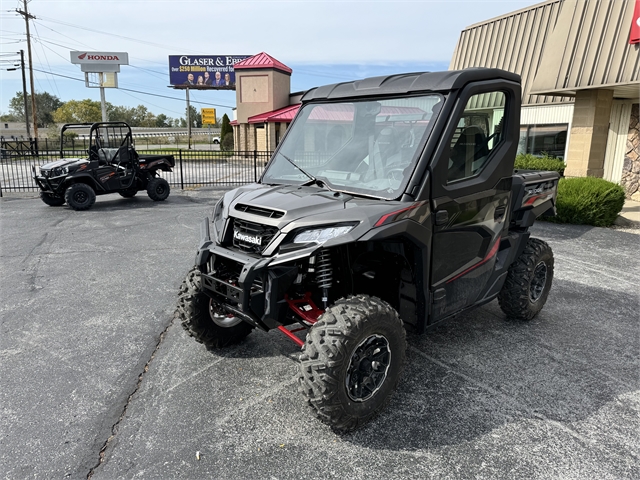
531 200
384 218
291 336
488 257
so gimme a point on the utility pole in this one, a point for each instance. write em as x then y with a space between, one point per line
24 94
27 16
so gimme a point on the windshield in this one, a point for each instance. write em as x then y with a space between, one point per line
366 147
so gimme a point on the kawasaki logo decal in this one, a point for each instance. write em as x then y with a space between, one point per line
243 237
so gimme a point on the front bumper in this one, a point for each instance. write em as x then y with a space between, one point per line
255 292
44 183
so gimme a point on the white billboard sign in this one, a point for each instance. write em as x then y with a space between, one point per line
103 58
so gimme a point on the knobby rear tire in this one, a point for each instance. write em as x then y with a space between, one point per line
158 189
528 282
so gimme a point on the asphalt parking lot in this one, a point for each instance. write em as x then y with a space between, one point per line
98 380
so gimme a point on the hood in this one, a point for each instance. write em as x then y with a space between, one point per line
289 206
279 205
63 162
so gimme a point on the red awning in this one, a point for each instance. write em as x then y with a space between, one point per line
285 114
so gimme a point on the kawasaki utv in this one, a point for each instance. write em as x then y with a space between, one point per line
112 166
391 204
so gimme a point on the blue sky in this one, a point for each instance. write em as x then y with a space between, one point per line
322 41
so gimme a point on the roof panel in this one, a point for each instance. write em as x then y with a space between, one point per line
408 83
262 60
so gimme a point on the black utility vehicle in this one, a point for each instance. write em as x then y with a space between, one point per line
112 166
390 204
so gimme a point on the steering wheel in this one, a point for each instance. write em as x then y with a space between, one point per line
395 175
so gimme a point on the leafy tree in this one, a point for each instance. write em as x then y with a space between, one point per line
194 116
54 134
8 117
163 121
138 116
80 111
46 104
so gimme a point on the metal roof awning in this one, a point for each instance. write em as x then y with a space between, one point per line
589 49
629 91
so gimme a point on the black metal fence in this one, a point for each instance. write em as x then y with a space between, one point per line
193 168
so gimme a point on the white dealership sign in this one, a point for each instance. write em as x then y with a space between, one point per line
93 62
114 58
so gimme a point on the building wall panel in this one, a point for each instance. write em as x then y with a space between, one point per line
617 141
513 42
590 47
551 114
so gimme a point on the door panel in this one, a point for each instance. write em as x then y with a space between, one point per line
472 173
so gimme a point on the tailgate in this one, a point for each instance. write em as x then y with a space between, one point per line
533 193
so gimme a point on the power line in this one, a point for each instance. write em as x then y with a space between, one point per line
136 91
111 34
46 58
158 106
153 72
67 36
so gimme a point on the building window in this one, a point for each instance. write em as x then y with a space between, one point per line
543 139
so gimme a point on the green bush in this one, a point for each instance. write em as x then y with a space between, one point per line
227 142
526 161
588 201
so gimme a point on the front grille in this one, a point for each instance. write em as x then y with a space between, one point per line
263 212
251 232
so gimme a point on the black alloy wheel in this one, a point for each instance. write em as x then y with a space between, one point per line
351 361
368 368
538 282
528 281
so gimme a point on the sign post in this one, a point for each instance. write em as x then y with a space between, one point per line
100 71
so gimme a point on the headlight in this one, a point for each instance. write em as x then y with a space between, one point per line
217 210
321 235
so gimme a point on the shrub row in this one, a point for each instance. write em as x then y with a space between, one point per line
526 161
588 201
